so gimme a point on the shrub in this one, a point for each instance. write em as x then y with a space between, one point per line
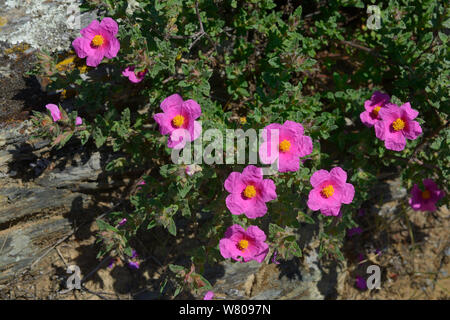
250 64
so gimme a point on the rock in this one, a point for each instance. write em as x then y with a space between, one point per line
294 279
35 213
49 25
22 245
73 174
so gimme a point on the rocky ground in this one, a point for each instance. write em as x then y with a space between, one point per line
49 201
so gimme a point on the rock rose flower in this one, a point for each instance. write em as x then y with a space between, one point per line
330 190
425 200
98 41
396 125
290 146
246 244
249 192
178 120
370 116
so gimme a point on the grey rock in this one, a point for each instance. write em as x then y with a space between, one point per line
73 174
49 25
268 295
22 202
21 246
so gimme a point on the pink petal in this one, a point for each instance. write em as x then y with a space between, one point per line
78 46
209 295
296 127
306 146
224 246
396 141
314 200
256 233
251 174
91 30
234 183
235 204
256 209
95 59
113 49
348 194
178 139
266 154
193 107
367 119
110 25
380 130
174 100
319 177
197 131
288 162
413 130
269 190
412 114
263 251
339 174
164 122
54 111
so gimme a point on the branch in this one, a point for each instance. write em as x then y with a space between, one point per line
202 31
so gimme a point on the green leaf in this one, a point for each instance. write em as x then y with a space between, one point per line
175 268
172 227
98 137
103 225
305 218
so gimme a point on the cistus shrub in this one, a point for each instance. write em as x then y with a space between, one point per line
352 94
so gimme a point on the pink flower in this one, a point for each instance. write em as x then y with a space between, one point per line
329 191
290 146
98 41
397 125
425 200
122 222
78 121
133 265
360 283
209 295
191 169
373 106
274 258
248 244
249 192
132 76
111 263
54 110
178 120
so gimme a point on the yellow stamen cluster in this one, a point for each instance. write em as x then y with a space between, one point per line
178 121
376 110
249 192
426 195
398 124
328 191
97 41
243 244
285 145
